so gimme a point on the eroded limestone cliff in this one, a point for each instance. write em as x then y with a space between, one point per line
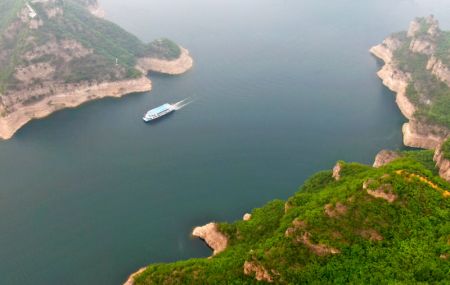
412 93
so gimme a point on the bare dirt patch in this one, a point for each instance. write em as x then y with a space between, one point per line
261 274
335 211
318 249
371 234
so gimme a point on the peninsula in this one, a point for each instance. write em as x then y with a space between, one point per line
58 54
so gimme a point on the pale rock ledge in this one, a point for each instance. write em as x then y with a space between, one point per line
172 67
384 157
216 240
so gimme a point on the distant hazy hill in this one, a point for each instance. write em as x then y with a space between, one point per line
63 43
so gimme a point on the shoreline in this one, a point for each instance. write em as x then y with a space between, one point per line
171 67
130 280
209 233
11 123
23 114
415 133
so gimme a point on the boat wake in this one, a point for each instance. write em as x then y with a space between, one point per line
181 104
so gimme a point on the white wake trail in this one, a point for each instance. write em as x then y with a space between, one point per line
181 104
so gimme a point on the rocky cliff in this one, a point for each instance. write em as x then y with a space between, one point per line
417 84
385 157
442 159
172 67
210 233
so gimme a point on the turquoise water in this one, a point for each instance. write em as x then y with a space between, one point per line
281 89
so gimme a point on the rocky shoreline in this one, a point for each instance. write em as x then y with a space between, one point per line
172 67
75 96
12 122
210 233
415 133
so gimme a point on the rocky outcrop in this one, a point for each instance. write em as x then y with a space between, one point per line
422 33
442 163
414 28
297 225
428 26
130 280
247 217
23 113
439 69
216 240
318 249
261 274
173 67
422 46
384 191
423 135
396 80
385 50
337 171
384 157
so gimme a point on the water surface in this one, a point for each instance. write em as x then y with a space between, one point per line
282 89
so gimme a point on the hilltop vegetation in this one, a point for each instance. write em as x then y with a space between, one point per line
65 44
385 225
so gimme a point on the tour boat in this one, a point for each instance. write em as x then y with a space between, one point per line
158 112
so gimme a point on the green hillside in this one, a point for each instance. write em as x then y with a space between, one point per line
53 38
337 232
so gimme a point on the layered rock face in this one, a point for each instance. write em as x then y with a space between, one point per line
423 135
421 38
384 157
172 67
67 98
442 163
439 69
